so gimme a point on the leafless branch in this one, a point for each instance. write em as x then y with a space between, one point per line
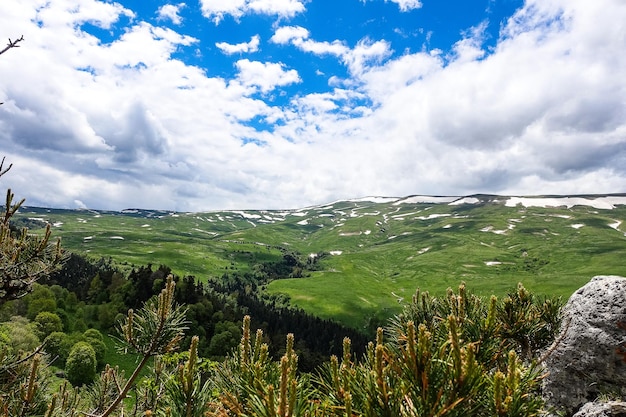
12 44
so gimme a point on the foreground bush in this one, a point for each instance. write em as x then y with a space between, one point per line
454 356
451 356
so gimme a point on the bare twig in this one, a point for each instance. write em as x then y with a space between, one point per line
12 44
2 172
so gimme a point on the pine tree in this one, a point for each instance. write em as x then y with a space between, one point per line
24 258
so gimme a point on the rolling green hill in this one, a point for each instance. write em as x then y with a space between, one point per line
374 251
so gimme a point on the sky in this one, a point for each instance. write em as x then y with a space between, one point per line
282 104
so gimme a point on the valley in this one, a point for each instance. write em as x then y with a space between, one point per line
371 254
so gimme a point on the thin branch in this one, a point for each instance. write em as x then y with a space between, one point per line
2 172
12 44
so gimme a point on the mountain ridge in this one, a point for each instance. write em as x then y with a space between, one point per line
413 198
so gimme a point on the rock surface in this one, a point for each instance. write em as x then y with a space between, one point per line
607 409
584 361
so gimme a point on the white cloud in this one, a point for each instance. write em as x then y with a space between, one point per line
122 123
284 8
170 11
286 34
229 49
365 53
264 76
216 10
406 5
336 47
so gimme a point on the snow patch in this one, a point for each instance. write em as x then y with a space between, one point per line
204 231
497 232
492 263
604 203
433 216
373 199
116 238
350 233
336 252
247 215
577 225
465 200
425 199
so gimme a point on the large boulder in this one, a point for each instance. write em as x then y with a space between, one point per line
585 360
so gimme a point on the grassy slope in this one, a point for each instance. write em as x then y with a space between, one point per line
387 250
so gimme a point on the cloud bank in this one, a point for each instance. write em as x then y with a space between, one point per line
123 120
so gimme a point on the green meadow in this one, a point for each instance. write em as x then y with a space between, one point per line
377 253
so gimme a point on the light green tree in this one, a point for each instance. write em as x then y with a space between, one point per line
81 364
47 323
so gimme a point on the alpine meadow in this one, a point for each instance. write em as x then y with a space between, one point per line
361 260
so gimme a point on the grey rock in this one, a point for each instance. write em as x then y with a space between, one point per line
606 409
584 361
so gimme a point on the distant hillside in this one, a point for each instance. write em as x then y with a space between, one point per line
371 253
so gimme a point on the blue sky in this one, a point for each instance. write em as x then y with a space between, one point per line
261 104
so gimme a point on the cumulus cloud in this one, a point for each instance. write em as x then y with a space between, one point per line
357 59
285 34
170 12
238 48
216 10
265 75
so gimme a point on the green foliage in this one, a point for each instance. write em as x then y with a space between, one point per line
225 338
442 357
187 395
24 258
81 363
40 299
458 355
93 334
100 349
47 323
249 383
156 329
22 385
96 340
21 333
57 345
